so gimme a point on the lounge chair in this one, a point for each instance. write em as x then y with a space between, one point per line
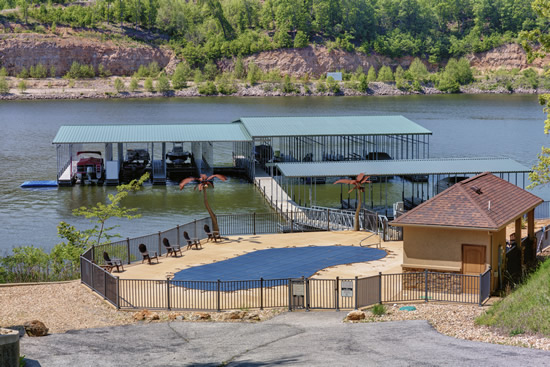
212 235
110 264
145 254
191 241
172 249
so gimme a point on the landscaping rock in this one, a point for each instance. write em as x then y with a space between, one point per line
35 328
233 315
355 316
252 316
146 315
200 316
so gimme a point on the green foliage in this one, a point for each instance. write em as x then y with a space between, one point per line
254 73
301 40
208 88
148 85
226 84
455 74
525 310
4 85
80 71
38 71
22 86
181 75
333 85
363 84
288 86
24 73
152 70
103 72
119 85
3 72
210 70
418 71
378 309
321 87
371 75
385 74
238 69
134 84
163 84
52 71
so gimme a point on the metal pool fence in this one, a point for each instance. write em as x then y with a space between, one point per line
301 293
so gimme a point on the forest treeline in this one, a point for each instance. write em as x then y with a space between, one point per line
203 30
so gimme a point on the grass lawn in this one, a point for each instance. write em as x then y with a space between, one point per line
527 309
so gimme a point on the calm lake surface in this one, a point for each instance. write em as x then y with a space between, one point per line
463 126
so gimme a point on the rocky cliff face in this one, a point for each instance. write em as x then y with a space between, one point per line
25 50
508 56
317 60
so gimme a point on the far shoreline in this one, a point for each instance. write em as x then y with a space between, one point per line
63 89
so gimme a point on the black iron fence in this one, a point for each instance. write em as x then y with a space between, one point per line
302 293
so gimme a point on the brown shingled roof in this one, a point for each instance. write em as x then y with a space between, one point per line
483 201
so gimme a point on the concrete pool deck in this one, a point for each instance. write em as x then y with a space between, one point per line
234 246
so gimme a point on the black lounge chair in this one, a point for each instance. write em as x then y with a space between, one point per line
145 254
191 241
172 249
110 264
212 235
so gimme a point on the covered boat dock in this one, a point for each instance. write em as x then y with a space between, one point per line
393 181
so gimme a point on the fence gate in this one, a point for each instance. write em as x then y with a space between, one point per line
297 294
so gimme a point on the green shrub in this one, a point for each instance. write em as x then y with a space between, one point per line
52 71
238 69
210 70
180 76
24 73
378 310
385 74
418 71
226 84
333 85
163 84
148 85
363 84
301 40
321 87
371 75
22 86
119 85
134 84
4 85
103 72
80 71
254 73
38 71
3 71
208 88
288 86
447 83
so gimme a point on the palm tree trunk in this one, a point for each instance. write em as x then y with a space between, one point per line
215 227
356 223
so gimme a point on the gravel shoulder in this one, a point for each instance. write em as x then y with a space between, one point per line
71 306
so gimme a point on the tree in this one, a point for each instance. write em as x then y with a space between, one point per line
181 74
385 74
357 184
101 213
301 40
203 183
148 85
371 75
418 70
4 85
163 84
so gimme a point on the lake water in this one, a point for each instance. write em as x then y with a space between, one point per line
463 126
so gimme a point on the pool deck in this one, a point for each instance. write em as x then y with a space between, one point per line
234 246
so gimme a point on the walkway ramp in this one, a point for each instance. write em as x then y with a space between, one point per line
159 172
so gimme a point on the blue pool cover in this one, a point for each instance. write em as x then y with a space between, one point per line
279 263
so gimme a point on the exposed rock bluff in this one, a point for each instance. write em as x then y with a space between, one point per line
507 56
318 60
25 50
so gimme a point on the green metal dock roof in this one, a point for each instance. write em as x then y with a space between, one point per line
402 167
331 126
151 133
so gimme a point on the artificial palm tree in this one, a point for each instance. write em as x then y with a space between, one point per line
203 183
357 184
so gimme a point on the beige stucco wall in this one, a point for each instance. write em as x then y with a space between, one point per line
440 248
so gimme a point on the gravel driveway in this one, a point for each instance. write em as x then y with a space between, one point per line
292 339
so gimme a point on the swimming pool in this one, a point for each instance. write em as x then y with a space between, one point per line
277 263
